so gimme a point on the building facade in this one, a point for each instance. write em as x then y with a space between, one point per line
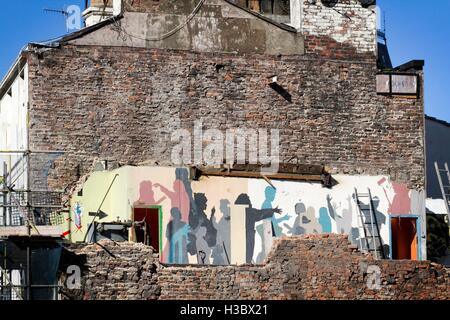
114 93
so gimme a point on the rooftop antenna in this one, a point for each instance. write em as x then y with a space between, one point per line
58 11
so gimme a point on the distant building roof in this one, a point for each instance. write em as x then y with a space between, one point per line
445 123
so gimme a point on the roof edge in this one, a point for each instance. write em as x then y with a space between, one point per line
12 73
57 42
443 122
52 43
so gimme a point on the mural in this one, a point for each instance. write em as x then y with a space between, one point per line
78 212
234 220
222 250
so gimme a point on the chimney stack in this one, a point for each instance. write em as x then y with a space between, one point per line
100 10
296 14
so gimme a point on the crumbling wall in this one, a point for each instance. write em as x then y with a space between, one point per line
112 270
124 103
202 26
307 267
339 28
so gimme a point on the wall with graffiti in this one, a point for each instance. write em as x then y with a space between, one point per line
219 220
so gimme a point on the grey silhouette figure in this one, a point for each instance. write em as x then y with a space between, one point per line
253 215
201 219
297 228
202 246
223 234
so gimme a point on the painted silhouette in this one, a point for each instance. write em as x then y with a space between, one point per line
252 215
324 220
147 195
222 251
182 174
401 201
347 215
178 197
176 235
204 250
202 220
297 228
218 255
198 220
309 221
276 231
330 208
270 193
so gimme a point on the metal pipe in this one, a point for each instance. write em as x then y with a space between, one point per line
28 275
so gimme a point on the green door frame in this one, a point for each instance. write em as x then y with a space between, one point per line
160 221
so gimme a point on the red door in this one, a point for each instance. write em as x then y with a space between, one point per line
404 238
149 232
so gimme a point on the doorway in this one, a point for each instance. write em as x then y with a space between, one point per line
404 238
146 225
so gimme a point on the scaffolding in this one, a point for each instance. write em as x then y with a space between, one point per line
22 206
25 205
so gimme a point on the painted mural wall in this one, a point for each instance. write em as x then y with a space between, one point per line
233 220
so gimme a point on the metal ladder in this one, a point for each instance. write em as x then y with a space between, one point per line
445 189
372 238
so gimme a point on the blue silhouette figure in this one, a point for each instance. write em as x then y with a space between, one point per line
325 220
176 234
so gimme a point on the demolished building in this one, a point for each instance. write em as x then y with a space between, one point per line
102 104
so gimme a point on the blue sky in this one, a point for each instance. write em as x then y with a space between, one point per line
416 29
420 29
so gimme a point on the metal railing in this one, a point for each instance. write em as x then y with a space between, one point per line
42 208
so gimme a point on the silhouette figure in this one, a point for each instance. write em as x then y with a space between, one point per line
176 235
401 201
297 229
201 219
270 193
178 197
147 195
223 234
324 220
202 246
252 215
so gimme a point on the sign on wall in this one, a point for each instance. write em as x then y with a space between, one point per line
398 84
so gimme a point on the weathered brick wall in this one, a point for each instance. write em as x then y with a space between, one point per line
122 271
340 29
308 267
124 103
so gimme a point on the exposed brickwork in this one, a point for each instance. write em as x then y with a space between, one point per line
344 28
310 267
122 271
124 103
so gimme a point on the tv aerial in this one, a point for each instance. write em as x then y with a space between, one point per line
66 13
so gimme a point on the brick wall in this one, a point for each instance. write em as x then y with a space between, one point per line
308 267
123 104
113 271
341 29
